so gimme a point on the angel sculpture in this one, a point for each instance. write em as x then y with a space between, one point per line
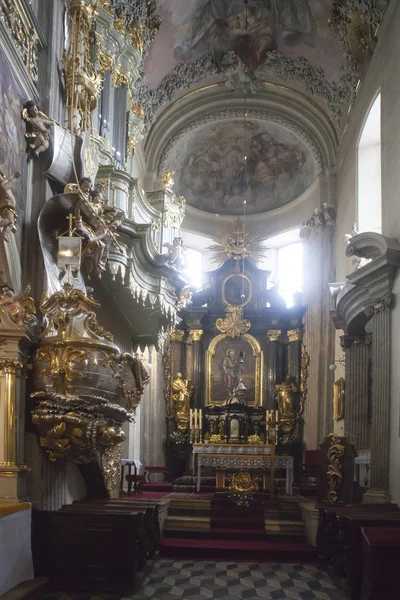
37 128
175 256
8 213
20 307
103 237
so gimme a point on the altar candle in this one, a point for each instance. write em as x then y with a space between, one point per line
195 418
277 416
191 419
200 419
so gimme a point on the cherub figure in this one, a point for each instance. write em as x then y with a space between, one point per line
20 307
37 128
175 254
104 237
8 214
168 180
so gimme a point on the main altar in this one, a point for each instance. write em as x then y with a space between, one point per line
236 377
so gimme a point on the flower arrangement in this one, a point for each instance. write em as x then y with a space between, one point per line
254 439
177 437
215 439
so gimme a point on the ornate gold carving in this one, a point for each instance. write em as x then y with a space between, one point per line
185 297
334 472
13 14
119 78
136 109
182 390
111 468
168 180
105 5
10 365
195 335
257 352
167 370
273 335
238 244
233 325
106 62
294 335
304 371
136 35
338 399
243 481
177 335
287 416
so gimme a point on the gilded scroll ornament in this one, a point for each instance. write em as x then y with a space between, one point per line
285 396
338 399
233 325
15 17
182 390
243 481
334 472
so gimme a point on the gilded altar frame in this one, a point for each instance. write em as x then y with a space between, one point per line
259 367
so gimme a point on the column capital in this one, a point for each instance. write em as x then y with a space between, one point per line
273 335
384 303
195 335
347 341
322 219
177 335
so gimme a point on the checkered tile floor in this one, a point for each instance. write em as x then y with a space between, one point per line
199 580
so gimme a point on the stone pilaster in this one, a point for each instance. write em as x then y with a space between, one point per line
380 414
357 394
318 235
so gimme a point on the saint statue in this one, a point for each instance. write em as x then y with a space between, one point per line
182 390
8 213
285 393
175 256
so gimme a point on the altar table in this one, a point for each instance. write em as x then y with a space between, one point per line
242 456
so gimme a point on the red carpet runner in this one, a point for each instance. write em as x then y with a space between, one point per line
228 521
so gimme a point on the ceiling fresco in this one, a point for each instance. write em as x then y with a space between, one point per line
191 30
212 175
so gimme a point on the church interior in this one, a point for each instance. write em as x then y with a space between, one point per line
199 316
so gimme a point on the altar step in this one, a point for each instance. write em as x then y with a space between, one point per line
239 549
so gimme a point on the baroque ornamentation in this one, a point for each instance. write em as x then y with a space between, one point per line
244 481
8 213
185 297
233 325
167 370
19 309
304 372
273 335
237 113
338 399
195 335
334 474
346 341
285 392
16 19
384 303
322 218
294 335
238 244
37 128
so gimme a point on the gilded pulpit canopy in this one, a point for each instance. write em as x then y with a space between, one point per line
182 390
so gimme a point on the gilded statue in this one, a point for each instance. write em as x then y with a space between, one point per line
182 390
20 307
37 128
168 180
338 399
285 392
8 213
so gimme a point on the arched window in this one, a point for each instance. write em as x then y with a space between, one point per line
193 270
369 192
285 261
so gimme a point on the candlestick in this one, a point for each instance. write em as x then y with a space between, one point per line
200 419
195 418
190 419
277 415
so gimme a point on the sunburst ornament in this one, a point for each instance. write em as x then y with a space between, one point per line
238 244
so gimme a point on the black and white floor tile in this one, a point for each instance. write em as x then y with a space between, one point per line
207 580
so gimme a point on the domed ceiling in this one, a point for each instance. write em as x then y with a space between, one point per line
212 175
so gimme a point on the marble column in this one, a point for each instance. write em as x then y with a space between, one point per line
318 235
194 367
357 393
271 366
381 405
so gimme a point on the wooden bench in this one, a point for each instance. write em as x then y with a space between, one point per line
381 556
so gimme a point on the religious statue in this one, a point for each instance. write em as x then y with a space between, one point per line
20 307
37 128
8 214
175 257
182 389
83 188
168 180
103 237
286 407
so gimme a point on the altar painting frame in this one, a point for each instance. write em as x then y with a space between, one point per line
258 356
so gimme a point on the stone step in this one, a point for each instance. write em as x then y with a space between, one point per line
34 589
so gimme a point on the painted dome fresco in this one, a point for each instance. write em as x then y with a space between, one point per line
213 176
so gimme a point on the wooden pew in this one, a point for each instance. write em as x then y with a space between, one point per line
381 563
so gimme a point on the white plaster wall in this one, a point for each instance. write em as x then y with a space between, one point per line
384 75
